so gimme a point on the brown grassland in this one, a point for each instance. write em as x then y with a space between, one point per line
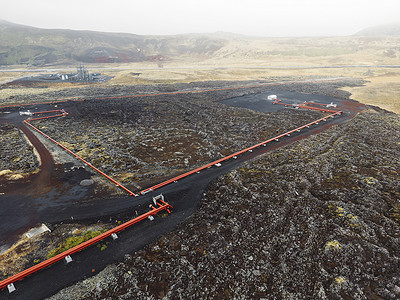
258 59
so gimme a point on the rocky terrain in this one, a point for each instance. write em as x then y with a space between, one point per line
315 220
138 140
319 219
14 163
85 91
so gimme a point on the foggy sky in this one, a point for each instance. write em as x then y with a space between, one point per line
165 17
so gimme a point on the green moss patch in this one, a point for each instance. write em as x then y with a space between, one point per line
74 241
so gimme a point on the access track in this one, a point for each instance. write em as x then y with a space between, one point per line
234 155
63 113
174 179
159 205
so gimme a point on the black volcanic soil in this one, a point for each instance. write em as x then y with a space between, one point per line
141 126
138 141
23 160
319 219
315 220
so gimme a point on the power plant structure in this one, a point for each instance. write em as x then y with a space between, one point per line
82 74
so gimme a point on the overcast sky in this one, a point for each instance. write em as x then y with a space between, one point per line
250 17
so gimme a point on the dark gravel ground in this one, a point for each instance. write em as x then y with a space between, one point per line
138 140
16 154
316 220
319 219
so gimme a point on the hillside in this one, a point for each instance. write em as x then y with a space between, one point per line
392 29
29 45
25 45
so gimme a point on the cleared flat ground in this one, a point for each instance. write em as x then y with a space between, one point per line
381 89
246 58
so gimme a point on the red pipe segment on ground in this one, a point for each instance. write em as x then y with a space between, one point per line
281 103
154 211
50 261
314 103
48 111
157 186
317 108
75 155
48 117
187 173
306 106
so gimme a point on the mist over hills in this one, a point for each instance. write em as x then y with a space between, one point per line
21 44
392 29
26 45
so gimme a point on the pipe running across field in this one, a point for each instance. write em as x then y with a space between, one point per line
64 113
157 186
306 105
161 206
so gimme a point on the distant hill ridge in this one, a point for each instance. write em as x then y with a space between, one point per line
20 44
26 45
392 29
